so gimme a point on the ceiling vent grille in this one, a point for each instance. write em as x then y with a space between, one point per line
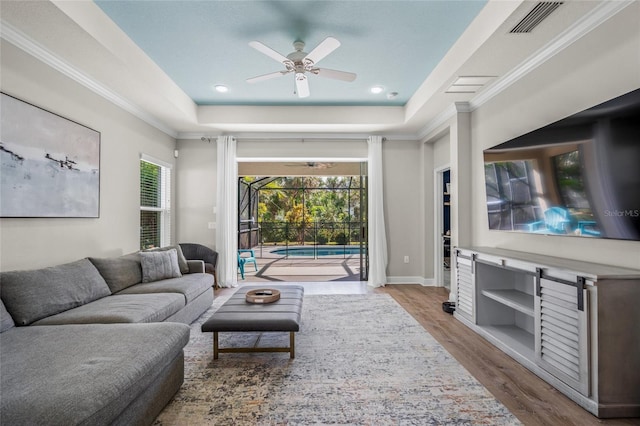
537 15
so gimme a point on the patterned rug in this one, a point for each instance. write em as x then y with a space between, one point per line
360 360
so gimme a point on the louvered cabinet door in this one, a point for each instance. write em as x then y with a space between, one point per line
562 346
465 287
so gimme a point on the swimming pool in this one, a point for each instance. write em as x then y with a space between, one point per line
319 251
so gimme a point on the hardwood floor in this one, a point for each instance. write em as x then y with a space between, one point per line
528 397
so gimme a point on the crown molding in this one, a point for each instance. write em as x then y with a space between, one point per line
33 48
580 28
462 106
442 118
439 120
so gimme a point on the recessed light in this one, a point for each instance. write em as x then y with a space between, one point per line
221 88
377 89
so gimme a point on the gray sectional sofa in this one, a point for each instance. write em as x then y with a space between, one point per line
97 341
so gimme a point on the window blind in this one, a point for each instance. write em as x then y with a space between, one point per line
155 204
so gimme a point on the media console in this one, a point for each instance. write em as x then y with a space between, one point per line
574 324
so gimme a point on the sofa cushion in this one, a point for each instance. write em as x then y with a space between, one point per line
119 272
39 293
182 260
82 374
6 322
126 308
190 285
159 265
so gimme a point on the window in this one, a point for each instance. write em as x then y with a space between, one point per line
155 203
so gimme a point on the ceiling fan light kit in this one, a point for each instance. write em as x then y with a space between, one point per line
300 62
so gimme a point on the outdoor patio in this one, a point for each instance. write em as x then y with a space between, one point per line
277 267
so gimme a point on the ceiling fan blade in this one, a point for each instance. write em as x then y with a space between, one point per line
270 52
335 74
325 47
267 76
302 85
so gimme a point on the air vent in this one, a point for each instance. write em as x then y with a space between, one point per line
537 15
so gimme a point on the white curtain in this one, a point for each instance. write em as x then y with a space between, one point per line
227 212
377 233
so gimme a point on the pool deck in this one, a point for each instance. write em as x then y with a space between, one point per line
274 267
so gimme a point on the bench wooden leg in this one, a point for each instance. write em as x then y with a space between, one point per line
218 350
292 343
215 345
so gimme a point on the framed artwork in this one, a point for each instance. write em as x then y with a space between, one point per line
50 165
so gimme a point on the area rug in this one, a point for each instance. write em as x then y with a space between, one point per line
360 360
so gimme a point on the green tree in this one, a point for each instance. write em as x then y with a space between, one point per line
149 197
305 200
297 220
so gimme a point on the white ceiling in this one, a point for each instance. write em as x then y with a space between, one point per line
158 60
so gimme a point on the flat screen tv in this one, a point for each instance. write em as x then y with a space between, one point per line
579 176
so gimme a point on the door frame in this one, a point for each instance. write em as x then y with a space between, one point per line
364 260
438 222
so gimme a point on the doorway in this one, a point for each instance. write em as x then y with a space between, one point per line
442 226
304 221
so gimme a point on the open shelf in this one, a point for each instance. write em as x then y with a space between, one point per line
515 299
515 338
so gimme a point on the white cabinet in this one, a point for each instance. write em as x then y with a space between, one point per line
572 323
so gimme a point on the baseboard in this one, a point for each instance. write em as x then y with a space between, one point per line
426 282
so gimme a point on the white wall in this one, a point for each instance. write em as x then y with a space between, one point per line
196 179
600 66
441 153
404 209
32 243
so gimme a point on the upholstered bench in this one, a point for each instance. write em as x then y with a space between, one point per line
238 315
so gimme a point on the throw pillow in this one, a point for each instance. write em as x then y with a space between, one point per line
182 260
159 265
119 272
35 294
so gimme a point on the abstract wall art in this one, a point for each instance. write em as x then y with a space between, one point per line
49 165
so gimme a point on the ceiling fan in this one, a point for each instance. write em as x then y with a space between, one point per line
300 63
311 165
